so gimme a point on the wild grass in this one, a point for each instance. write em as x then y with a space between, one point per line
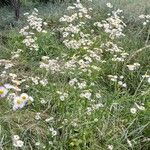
111 127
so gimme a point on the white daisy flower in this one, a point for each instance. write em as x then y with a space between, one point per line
18 103
49 119
37 116
133 110
3 91
86 94
18 143
110 147
109 5
16 137
43 101
131 67
24 96
54 133
37 143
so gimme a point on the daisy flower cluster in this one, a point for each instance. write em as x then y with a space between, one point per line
16 54
117 53
113 25
17 142
86 94
118 80
80 64
86 63
20 101
35 24
134 66
62 95
6 74
91 109
77 84
10 87
51 65
53 131
74 36
145 19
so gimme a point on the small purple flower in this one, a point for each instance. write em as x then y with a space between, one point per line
3 91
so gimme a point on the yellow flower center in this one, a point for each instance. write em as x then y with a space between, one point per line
1 92
23 97
18 101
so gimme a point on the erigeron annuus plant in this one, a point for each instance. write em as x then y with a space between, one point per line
113 25
17 142
117 53
133 67
71 102
145 19
10 86
52 65
74 33
146 24
118 80
76 36
29 32
74 66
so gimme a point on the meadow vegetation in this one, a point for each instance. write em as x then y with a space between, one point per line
75 76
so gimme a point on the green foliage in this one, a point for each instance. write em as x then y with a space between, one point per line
110 125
